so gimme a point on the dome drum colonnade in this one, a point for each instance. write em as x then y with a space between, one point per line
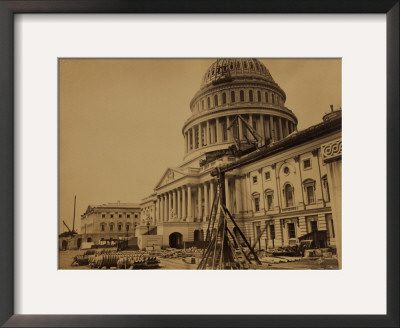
250 92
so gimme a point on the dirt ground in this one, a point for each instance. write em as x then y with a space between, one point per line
66 258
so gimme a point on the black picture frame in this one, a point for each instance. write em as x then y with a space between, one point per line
7 11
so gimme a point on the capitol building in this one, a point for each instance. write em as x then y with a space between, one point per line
284 183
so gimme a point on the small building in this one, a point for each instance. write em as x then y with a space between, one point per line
113 220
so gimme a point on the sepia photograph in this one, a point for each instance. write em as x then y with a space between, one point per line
200 164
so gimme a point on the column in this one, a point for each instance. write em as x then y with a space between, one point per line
211 192
179 204
244 194
184 143
207 136
240 123
169 205
199 198
184 212
271 128
237 195
175 207
161 209
287 127
157 210
228 134
332 156
280 128
262 129
217 127
249 135
189 201
227 195
193 137
267 129
206 210
165 214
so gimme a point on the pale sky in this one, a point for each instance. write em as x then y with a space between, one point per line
121 120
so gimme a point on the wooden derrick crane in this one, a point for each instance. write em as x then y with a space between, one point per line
70 232
246 144
225 249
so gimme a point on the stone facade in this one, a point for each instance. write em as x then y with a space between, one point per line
114 220
281 195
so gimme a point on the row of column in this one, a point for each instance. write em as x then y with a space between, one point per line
216 130
185 203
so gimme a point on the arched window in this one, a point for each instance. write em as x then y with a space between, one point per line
216 100
208 102
259 96
251 95
241 95
266 97
224 98
119 226
233 96
103 227
111 226
288 195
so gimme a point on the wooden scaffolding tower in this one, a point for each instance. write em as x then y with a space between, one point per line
225 248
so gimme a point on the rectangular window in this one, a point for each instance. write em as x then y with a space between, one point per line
120 215
102 227
333 229
255 179
103 216
291 230
270 202
128 216
267 175
314 226
272 231
310 194
127 227
111 216
111 227
306 163
119 227
257 204
136 216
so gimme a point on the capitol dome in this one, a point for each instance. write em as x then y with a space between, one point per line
236 68
231 88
